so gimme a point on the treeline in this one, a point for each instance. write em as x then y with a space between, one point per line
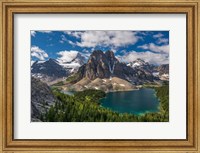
84 106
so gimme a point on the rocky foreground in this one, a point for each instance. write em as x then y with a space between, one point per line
41 98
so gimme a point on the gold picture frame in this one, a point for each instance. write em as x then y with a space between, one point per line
10 7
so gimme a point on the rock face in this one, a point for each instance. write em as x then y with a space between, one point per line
100 65
163 69
106 65
41 98
48 71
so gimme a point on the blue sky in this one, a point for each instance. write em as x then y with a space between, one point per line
151 46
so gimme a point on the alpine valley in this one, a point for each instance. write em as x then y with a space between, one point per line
98 74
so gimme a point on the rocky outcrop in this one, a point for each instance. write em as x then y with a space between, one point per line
100 65
163 69
41 98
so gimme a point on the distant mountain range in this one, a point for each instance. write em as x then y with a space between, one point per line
101 71
73 64
54 70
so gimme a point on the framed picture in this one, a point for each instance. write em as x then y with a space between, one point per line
84 76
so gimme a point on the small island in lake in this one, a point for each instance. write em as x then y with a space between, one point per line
105 82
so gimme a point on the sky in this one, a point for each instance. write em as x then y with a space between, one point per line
151 46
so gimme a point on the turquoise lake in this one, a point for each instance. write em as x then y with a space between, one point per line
135 102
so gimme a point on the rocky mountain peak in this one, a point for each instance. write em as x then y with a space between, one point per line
106 65
109 53
138 63
52 60
163 69
48 70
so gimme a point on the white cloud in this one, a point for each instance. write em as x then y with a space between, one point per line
33 33
76 34
158 35
67 56
38 53
152 58
105 38
71 43
143 33
32 62
63 39
45 31
155 48
145 46
162 40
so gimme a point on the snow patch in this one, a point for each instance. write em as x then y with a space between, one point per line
104 80
39 62
32 62
111 69
155 73
136 64
41 68
165 75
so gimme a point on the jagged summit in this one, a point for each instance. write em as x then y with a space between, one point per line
105 65
100 65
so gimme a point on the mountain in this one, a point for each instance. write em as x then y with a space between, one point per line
163 71
48 71
141 64
52 70
73 63
41 98
107 85
100 65
105 66
138 63
160 72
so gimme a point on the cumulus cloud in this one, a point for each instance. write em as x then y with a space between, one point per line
38 53
67 56
162 40
76 34
33 33
158 35
105 38
152 58
155 48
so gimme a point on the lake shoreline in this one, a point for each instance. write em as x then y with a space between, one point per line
64 91
138 102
